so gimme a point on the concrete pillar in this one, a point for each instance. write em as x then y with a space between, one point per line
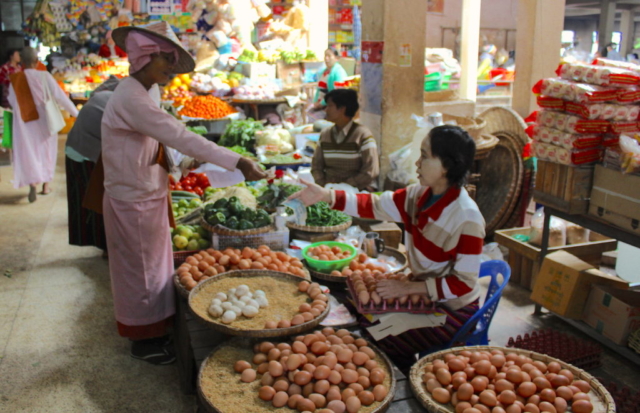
607 19
319 26
540 24
627 27
469 42
391 91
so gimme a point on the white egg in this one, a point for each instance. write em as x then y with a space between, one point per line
236 309
245 298
239 304
262 301
242 290
259 293
226 305
221 296
215 310
231 292
228 317
253 303
216 301
249 311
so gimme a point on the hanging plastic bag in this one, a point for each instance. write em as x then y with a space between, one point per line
557 230
7 133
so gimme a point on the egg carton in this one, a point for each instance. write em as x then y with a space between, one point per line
584 354
371 308
627 400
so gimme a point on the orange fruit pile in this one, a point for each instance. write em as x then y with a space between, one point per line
206 107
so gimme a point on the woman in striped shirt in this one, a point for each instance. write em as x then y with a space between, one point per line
444 232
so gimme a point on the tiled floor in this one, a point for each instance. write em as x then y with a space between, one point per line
59 349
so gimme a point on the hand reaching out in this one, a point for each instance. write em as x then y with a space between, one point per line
251 170
312 194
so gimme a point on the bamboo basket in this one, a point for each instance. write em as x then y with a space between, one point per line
307 228
211 407
387 251
473 126
220 230
263 333
600 396
184 293
180 256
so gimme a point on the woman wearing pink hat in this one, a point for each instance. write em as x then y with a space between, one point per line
135 203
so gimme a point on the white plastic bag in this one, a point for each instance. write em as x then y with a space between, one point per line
403 161
557 230
491 251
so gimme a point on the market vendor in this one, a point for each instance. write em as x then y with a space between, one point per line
346 151
10 67
444 237
333 72
110 49
135 205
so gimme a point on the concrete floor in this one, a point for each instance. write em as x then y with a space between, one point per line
59 349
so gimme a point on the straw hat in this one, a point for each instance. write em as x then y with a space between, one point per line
162 30
500 119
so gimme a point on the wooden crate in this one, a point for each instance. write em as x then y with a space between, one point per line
524 258
564 187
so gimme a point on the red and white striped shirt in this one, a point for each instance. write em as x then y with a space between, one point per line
443 241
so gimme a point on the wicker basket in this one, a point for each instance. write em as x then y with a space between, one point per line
484 145
387 251
634 341
180 256
473 126
277 332
184 293
306 228
237 342
219 229
600 397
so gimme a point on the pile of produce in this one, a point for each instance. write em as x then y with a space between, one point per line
237 302
231 214
283 159
482 381
241 191
194 183
189 238
212 262
321 215
275 194
276 138
260 91
177 90
183 206
306 311
329 370
206 107
325 253
216 83
241 133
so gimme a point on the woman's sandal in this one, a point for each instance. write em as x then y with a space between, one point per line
32 194
156 351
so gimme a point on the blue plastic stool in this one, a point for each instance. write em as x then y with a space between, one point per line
481 320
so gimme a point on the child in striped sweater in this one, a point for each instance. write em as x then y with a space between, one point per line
444 232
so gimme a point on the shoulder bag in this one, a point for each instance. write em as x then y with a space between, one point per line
55 121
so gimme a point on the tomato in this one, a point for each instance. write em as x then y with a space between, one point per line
188 188
173 181
199 191
178 187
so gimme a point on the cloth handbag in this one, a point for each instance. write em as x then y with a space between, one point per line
55 120
7 132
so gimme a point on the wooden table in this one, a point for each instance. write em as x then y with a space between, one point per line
194 342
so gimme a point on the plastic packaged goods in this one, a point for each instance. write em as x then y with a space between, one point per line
557 230
576 234
565 140
601 61
557 154
601 111
570 123
579 92
598 75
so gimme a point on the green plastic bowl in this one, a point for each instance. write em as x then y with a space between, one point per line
328 266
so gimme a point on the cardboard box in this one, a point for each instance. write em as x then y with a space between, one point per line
615 198
259 71
290 74
564 283
613 313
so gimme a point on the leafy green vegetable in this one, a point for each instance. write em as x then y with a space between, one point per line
241 133
276 194
321 215
200 130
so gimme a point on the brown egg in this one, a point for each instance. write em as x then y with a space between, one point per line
299 347
347 393
337 406
498 409
506 397
370 365
567 373
443 376
471 410
514 408
281 384
548 395
560 404
307 389
462 406
304 405
263 368
366 397
248 375
456 364
360 358
319 347
465 391
560 380
488 398
284 324
270 325
483 367
266 393
377 376
275 369
584 386
564 392
380 392
294 389
582 406
302 378
274 354
333 394
482 408
364 381
514 376
441 395
318 399
575 389
547 407
502 385
554 367
293 400
297 320
479 383
531 408
541 383
349 376
353 404
474 399
581 396
280 399
241 366
527 389
457 381
335 377
330 360
357 387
